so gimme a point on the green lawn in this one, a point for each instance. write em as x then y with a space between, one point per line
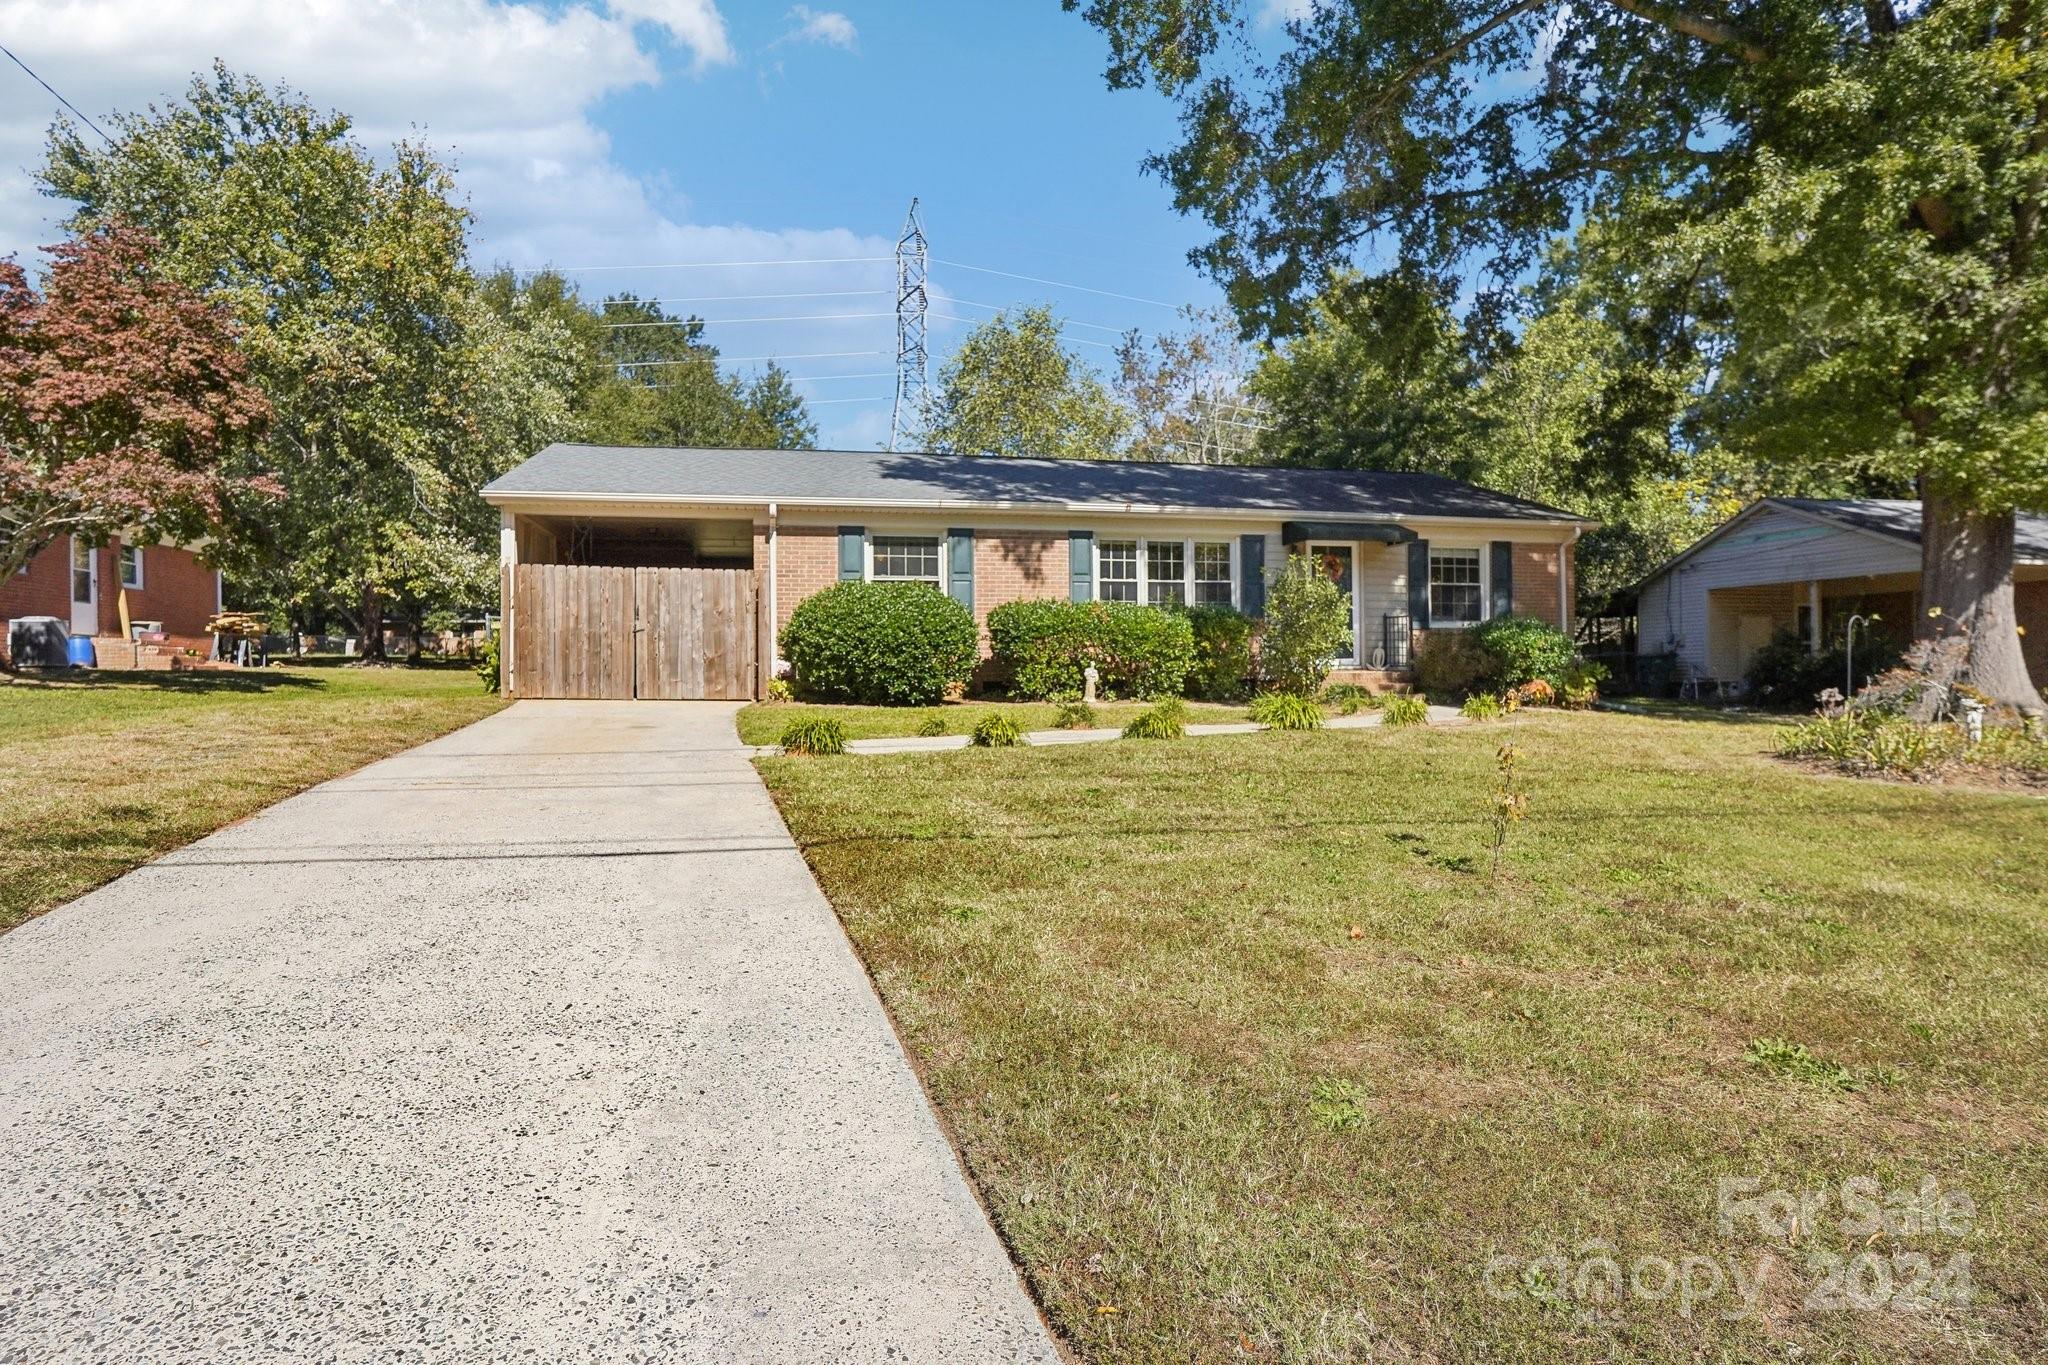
762 722
1251 1057
101 774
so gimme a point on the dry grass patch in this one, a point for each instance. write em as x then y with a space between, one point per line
100 774
1189 1093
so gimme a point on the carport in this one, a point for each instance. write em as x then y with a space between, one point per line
609 603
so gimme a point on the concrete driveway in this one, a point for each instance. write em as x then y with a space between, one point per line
536 1042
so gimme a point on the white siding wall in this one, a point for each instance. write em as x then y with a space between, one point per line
1772 547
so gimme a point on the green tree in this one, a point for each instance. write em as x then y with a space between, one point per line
1188 393
1012 389
395 391
1845 200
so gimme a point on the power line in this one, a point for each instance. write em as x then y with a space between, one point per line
745 359
59 98
726 322
749 298
697 265
1057 284
1069 322
1078 341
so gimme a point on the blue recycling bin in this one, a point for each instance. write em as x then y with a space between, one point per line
81 653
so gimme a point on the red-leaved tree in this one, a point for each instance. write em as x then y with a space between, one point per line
124 406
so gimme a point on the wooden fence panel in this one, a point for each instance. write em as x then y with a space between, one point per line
696 634
572 632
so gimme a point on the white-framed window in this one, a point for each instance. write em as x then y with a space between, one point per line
1457 587
906 559
1213 587
1166 573
1116 576
1162 573
131 566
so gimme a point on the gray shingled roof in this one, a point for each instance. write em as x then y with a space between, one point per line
829 477
1899 518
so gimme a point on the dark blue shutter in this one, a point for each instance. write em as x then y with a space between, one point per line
1081 566
960 566
850 556
1501 575
1251 572
1418 584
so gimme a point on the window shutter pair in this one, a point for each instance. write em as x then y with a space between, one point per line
959 561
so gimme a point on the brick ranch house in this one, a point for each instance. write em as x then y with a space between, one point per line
656 572
82 585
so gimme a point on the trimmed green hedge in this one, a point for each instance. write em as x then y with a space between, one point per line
1137 651
881 644
1223 653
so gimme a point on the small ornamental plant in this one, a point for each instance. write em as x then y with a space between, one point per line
996 731
1074 715
1404 710
1480 706
815 735
931 727
1168 720
1286 711
1510 802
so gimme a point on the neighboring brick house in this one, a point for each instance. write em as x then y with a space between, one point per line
1415 551
82 585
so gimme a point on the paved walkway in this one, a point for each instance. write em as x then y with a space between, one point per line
536 1042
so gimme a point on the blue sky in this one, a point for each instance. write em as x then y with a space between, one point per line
699 134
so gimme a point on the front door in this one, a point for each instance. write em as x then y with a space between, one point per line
1336 561
85 588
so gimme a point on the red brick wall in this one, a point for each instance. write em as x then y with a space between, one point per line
176 589
1014 566
806 561
1535 581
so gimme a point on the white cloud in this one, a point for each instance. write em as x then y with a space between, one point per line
822 26
696 24
506 90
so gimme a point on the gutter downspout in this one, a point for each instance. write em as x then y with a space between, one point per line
774 636
1564 577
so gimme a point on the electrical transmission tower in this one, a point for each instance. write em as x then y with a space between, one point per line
910 353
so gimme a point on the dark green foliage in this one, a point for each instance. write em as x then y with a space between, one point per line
1286 711
1521 649
1138 651
1307 620
1785 673
996 731
885 644
1167 720
1449 664
817 735
1223 653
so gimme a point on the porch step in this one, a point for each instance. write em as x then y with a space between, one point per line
1376 679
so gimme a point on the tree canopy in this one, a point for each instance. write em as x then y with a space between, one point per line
1832 211
1012 389
123 402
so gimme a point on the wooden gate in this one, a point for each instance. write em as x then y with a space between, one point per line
596 632
696 634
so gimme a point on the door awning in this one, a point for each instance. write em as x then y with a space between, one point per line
1384 532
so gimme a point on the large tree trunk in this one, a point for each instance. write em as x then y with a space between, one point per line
1966 562
373 616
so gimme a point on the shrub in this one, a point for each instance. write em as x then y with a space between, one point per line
487 662
1308 619
1580 686
1480 706
1137 651
1787 673
1404 710
1535 692
779 690
1450 664
890 644
931 727
1223 653
816 735
1873 742
1168 720
1286 711
1074 715
1522 649
996 731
